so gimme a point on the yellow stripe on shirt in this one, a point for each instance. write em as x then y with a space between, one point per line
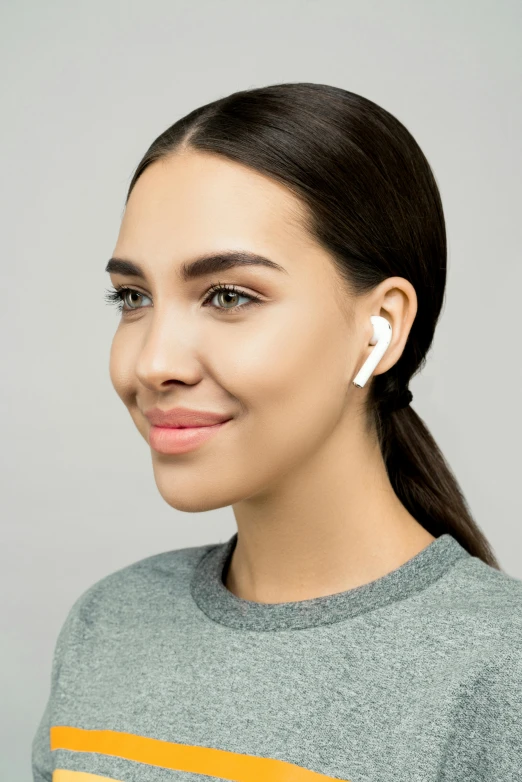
232 766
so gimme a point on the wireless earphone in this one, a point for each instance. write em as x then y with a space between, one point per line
382 334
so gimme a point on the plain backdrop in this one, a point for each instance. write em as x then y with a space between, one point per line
86 87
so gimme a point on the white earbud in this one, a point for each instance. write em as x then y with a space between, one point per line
382 334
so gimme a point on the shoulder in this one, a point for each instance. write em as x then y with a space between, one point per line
491 589
166 575
486 606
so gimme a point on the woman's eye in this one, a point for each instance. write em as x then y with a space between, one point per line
118 296
127 298
124 296
226 296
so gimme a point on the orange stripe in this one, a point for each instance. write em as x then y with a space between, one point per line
183 757
63 775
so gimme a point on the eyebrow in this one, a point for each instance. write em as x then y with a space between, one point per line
206 264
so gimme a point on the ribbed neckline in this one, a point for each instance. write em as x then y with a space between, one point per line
221 605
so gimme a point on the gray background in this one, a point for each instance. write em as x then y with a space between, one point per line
86 87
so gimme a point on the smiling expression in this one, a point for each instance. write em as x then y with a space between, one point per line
275 349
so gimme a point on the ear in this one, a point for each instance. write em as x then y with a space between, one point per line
396 300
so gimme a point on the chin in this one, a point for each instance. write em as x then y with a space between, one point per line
195 504
195 496
194 485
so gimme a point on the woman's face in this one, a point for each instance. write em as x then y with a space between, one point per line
280 369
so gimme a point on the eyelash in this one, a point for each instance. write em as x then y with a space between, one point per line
116 296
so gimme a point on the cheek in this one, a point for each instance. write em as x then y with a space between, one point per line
291 382
121 367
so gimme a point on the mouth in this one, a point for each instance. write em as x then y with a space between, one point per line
180 439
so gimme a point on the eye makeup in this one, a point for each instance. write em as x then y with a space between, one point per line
117 296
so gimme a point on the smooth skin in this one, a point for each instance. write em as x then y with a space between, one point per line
315 511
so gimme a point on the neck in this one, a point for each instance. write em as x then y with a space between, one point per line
330 524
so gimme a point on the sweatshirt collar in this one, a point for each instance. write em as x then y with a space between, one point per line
221 605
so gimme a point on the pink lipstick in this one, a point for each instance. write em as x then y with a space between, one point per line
182 429
167 439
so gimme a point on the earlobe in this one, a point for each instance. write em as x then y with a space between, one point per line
381 338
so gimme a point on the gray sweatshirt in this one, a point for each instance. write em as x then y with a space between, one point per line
160 673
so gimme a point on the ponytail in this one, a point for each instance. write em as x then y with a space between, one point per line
425 484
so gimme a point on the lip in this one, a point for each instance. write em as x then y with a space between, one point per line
184 417
171 440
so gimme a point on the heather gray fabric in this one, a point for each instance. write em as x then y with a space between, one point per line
415 677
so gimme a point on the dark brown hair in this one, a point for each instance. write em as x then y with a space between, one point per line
373 203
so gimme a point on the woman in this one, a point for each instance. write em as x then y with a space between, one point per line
357 626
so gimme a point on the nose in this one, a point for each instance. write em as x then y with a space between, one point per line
167 355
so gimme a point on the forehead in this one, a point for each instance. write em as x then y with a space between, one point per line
193 202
